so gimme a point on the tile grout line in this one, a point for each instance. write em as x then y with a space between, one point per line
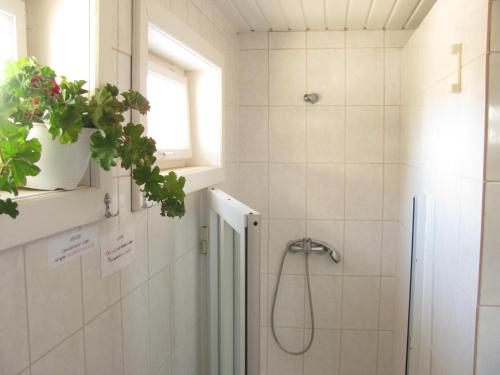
83 317
334 219
171 279
172 321
122 297
52 348
306 206
342 283
28 329
384 182
121 321
342 329
268 35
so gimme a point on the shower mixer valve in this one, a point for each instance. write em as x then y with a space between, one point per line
310 246
306 246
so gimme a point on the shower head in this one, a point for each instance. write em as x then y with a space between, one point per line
334 255
311 98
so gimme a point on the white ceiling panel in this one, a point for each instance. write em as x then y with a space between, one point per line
381 11
336 11
422 9
273 14
314 11
358 14
233 15
298 15
294 15
252 14
402 12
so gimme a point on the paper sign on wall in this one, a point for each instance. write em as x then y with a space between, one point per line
71 245
117 250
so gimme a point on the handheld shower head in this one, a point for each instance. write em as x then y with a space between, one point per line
334 255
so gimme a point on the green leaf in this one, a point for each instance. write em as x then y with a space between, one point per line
21 158
103 148
68 111
134 100
136 148
18 155
8 207
105 110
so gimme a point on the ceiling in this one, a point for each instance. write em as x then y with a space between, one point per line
283 15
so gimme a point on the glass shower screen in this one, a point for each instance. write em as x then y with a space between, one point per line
234 286
420 298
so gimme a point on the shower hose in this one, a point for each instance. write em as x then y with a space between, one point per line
308 281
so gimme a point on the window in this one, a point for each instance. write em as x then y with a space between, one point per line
172 64
12 31
168 119
8 49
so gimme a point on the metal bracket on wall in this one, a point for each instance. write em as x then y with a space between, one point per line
204 240
456 49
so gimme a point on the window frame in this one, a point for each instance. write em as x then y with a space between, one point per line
17 9
207 165
163 156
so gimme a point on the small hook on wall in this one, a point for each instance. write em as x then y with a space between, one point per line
107 204
146 203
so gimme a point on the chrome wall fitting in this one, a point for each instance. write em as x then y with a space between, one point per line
107 205
311 98
306 246
313 246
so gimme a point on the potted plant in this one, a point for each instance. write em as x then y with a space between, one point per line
62 128
53 113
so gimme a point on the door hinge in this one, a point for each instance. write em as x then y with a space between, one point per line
204 239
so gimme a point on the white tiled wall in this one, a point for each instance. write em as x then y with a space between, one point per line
488 340
329 171
442 157
70 320
144 319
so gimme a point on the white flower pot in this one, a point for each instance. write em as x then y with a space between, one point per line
62 166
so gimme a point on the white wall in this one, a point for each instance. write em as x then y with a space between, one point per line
442 156
140 320
146 318
488 340
329 171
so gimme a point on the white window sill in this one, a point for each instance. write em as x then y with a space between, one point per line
29 194
44 213
198 177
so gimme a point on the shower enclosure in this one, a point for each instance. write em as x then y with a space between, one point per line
233 247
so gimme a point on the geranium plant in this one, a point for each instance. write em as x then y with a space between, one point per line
32 93
18 156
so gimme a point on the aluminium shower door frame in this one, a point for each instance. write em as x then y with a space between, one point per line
246 223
